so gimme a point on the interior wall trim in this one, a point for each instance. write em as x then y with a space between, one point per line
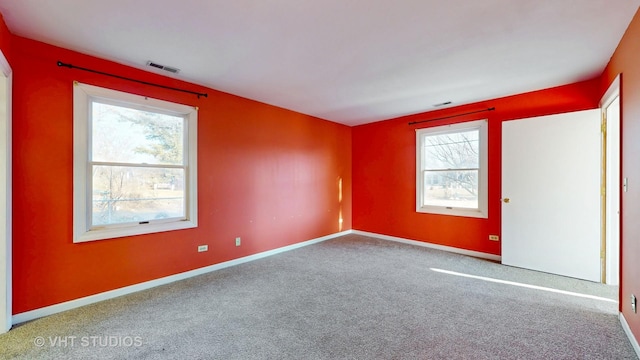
632 339
76 303
432 246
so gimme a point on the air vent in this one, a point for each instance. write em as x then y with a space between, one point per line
442 104
163 67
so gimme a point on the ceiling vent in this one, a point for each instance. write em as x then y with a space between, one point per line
442 104
163 67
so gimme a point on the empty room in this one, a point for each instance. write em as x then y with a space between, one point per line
319 180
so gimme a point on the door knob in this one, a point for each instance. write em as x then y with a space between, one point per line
506 200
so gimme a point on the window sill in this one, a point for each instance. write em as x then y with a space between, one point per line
437 210
110 233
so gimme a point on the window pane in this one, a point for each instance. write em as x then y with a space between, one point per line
128 135
133 194
458 150
457 189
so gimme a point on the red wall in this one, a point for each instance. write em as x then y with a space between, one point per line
384 157
265 174
5 38
626 61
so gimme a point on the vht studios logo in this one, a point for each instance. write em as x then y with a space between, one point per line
88 341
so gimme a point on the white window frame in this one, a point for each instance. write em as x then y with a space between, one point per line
83 95
482 210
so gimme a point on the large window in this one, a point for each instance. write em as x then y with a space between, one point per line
134 164
451 169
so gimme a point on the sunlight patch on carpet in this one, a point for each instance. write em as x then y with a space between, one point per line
523 285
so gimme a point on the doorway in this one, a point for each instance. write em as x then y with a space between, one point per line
610 234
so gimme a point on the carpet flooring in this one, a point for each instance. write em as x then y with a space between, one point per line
352 297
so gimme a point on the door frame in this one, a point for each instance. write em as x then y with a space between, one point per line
611 215
5 201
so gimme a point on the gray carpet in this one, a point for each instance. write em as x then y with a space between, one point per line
353 297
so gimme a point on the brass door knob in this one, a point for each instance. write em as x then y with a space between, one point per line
506 200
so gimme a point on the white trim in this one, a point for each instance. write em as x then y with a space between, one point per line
53 309
431 246
83 94
482 211
612 92
6 237
632 338
612 194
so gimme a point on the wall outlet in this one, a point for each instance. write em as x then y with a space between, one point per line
634 304
494 237
237 241
203 248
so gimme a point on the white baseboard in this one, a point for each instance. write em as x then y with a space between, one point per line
632 338
432 246
68 305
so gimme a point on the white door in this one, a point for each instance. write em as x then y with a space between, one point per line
551 194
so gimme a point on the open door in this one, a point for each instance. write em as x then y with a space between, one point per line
551 194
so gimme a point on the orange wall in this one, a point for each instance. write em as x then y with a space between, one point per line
384 157
266 174
626 61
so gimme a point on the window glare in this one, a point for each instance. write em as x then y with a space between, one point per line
127 135
452 150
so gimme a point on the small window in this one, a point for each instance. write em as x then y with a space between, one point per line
451 169
134 164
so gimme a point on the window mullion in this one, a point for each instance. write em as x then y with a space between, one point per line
153 166
457 169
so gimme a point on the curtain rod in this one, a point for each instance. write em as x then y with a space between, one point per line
60 63
452 116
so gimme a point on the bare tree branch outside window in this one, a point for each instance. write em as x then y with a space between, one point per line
451 166
137 156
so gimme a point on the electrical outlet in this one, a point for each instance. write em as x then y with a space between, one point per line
634 303
494 237
237 241
203 248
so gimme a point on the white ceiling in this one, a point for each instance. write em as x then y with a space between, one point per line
348 61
